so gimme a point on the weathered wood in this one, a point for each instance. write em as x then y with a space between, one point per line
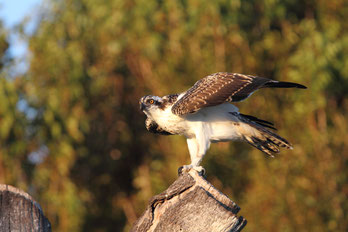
190 204
19 212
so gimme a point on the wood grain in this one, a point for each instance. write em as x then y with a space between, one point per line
19 212
190 204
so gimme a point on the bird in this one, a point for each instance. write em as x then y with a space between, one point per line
204 115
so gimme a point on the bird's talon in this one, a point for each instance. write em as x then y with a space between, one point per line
183 169
187 168
180 170
200 170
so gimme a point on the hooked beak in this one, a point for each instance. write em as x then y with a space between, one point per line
142 106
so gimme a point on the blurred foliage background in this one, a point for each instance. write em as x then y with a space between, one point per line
72 135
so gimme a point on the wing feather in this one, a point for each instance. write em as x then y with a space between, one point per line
220 87
216 89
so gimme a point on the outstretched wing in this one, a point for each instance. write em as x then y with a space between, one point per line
220 87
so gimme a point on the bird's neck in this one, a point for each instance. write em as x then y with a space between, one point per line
167 120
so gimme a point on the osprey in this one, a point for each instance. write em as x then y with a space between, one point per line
204 115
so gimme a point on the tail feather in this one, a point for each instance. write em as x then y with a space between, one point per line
267 142
259 121
266 146
257 135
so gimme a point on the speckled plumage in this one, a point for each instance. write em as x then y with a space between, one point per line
203 115
153 127
222 87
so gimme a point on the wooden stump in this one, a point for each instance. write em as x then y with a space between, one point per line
19 212
190 204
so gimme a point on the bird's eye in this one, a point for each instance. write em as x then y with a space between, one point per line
151 101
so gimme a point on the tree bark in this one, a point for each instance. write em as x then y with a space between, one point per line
19 212
190 204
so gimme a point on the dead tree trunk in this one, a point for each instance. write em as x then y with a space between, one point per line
190 204
19 212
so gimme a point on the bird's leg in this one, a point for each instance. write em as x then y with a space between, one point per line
197 148
196 159
193 149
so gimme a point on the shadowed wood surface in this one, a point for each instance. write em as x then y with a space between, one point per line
19 212
190 204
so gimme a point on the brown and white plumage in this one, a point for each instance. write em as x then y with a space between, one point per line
203 114
223 87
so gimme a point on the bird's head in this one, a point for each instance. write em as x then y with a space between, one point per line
149 104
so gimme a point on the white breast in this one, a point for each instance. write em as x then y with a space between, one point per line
169 121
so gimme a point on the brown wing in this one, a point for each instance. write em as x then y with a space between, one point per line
220 87
216 89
